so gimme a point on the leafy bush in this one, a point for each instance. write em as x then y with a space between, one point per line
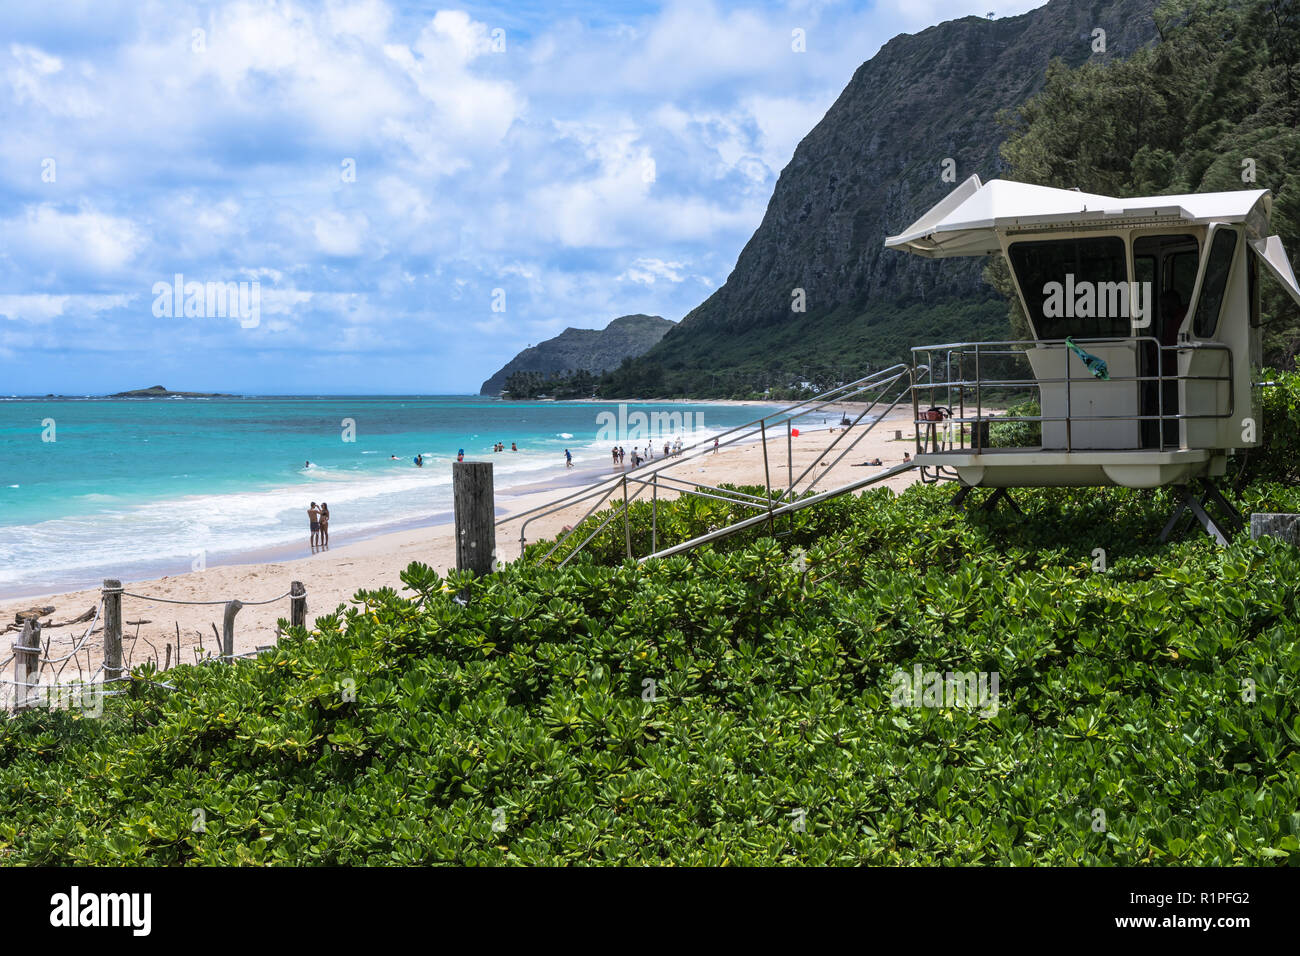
1277 459
1018 434
1163 692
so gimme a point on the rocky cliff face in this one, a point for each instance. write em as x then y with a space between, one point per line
875 162
584 350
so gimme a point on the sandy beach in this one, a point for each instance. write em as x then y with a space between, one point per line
334 575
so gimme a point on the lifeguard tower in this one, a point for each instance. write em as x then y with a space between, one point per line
1145 321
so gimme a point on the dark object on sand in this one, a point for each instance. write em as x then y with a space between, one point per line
32 613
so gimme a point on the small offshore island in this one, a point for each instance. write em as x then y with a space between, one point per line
158 391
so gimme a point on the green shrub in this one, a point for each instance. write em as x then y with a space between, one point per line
520 728
1018 434
1277 459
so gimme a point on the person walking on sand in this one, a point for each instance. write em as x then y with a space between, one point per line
715 446
324 525
568 459
613 453
313 516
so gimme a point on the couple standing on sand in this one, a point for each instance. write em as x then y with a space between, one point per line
320 525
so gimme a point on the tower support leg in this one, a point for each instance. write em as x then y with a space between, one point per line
1221 526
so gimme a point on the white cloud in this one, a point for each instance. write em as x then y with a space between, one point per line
338 234
85 240
41 307
649 271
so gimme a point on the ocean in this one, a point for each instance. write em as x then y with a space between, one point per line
135 488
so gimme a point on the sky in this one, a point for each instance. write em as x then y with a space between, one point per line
370 197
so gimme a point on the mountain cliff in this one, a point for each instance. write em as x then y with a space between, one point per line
926 104
583 350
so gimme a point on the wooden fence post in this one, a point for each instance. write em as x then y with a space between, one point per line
627 525
112 596
297 604
27 664
475 505
228 629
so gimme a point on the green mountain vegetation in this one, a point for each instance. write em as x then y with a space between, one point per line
577 384
739 705
575 356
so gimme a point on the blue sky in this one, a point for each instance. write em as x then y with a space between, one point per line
418 192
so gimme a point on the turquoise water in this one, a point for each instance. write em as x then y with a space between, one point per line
134 487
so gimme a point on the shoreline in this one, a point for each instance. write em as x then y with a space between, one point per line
284 553
184 632
281 551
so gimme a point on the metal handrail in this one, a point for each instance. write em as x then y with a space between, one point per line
603 488
979 384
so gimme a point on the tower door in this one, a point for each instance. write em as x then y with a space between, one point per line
1164 267
1218 318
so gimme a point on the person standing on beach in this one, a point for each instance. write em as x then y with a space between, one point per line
313 516
568 459
460 455
715 446
324 525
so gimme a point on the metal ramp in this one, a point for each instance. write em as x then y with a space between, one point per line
884 390
785 509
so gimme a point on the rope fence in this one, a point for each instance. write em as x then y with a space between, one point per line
30 687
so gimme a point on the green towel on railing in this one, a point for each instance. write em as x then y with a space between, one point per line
1095 365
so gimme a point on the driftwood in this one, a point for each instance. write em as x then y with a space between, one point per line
36 613
89 615
33 613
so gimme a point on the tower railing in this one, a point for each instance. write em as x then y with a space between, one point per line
965 378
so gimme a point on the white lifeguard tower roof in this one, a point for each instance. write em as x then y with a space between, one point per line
967 222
